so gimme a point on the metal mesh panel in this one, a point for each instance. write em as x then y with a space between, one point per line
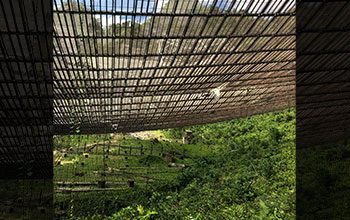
26 92
323 93
124 66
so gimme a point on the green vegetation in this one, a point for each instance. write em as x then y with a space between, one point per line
26 199
65 142
239 169
323 181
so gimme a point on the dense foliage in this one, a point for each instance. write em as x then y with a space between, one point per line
323 181
246 171
272 127
253 176
67 141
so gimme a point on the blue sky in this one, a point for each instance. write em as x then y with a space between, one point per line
120 5
149 6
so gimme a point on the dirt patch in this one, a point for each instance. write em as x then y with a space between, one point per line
116 137
145 135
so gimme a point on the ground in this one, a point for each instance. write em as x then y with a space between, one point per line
240 169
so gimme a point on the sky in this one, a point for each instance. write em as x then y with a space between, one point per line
150 6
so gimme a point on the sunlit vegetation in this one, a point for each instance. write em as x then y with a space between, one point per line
239 169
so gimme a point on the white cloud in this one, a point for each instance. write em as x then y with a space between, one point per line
160 4
107 19
206 1
256 7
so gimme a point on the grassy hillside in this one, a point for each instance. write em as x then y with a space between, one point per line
239 169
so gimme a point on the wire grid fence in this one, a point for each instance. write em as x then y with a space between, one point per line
122 66
111 165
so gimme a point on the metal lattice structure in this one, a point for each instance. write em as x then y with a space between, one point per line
161 64
26 89
322 80
123 66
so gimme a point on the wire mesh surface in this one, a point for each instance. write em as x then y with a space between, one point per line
26 92
120 66
123 66
323 78
81 166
